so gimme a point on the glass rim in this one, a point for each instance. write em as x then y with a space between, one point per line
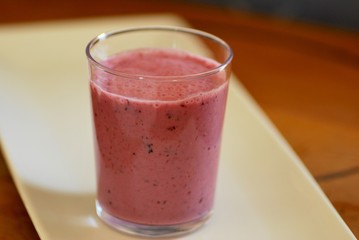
105 35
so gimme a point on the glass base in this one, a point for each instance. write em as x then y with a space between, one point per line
150 230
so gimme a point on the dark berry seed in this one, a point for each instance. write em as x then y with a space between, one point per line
149 148
172 128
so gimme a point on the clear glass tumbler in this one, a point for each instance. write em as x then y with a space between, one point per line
158 100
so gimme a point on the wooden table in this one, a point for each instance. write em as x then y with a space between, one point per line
305 77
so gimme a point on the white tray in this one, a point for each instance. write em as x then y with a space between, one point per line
264 191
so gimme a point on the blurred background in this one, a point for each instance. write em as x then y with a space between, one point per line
333 13
337 13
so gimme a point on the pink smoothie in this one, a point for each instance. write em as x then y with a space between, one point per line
157 142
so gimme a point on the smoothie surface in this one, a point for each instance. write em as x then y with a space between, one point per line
143 73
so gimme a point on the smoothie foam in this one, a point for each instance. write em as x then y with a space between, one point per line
157 142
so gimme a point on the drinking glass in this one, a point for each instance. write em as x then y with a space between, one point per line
158 98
